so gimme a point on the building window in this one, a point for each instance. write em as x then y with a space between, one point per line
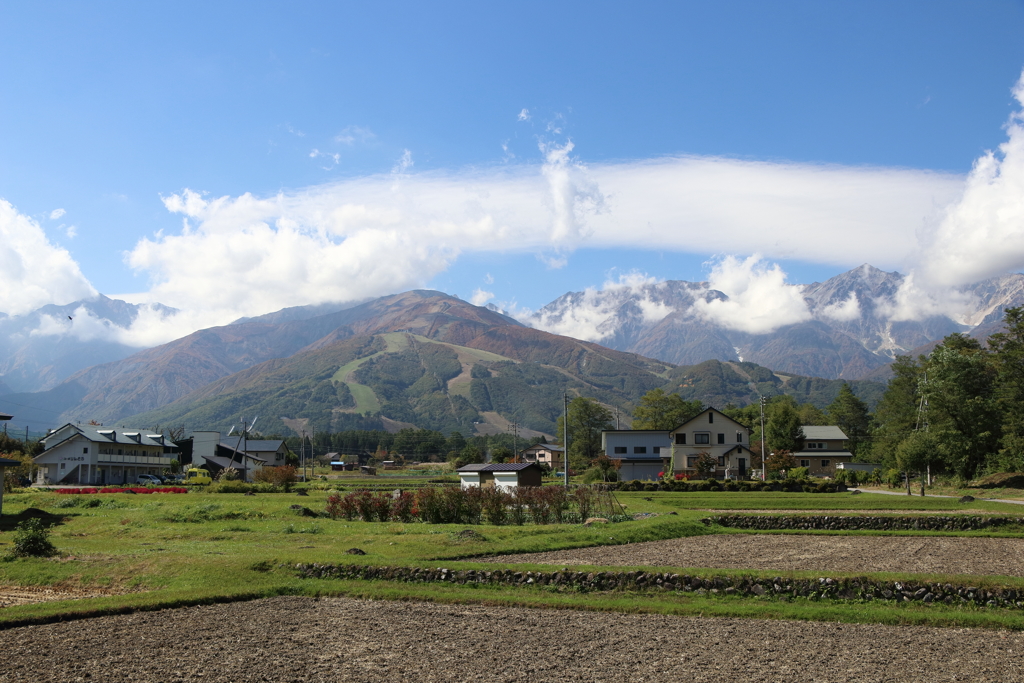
826 463
620 450
85 450
691 461
739 437
805 463
700 438
657 450
721 438
721 461
711 417
62 465
681 439
816 444
639 449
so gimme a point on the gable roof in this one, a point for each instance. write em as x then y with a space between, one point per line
263 444
704 415
545 447
826 432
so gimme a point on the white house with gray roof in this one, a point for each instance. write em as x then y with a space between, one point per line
102 456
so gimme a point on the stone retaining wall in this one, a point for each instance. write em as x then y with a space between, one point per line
745 586
860 522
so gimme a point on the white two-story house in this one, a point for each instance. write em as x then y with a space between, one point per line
101 456
646 452
712 432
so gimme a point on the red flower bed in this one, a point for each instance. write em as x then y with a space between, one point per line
158 489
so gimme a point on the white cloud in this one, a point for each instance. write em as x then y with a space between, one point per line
33 271
294 131
979 236
333 157
353 134
759 299
594 314
524 115
377 235
480 297
151 327
404 163
56 214
573 194
917 301
71 231
488 279
845 310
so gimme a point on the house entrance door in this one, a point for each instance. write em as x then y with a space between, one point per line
742 464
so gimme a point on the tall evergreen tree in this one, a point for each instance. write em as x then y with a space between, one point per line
962 412
783 431
1008 357
851 415
896 415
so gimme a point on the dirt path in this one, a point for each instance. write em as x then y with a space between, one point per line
917 554
300 640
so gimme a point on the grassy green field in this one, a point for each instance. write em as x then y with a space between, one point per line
163 550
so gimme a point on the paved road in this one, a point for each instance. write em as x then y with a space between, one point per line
936 495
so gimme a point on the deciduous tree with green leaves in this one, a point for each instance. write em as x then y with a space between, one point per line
587 419
658 410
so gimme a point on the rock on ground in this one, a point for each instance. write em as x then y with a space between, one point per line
340 639
796 552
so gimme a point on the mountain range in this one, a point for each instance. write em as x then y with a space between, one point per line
428 359
420 358
851 330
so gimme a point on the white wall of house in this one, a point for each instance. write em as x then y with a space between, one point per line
469 479
506 480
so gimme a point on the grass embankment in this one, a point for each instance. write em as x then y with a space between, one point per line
167 550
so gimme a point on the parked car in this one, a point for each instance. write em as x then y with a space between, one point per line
173 479
149 480
198 476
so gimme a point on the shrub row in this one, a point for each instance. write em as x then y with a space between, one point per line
683 485
454 505
746 586
134 489
860 522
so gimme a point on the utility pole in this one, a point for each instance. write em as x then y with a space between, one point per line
565 438
513 427
764 401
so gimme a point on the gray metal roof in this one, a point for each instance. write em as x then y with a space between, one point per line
263 444
497 467
7 462
545 446
5 416
103 435
827 432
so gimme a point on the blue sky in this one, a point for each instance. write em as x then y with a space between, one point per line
113 114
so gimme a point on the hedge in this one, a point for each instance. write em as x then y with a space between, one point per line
860 522
746 586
